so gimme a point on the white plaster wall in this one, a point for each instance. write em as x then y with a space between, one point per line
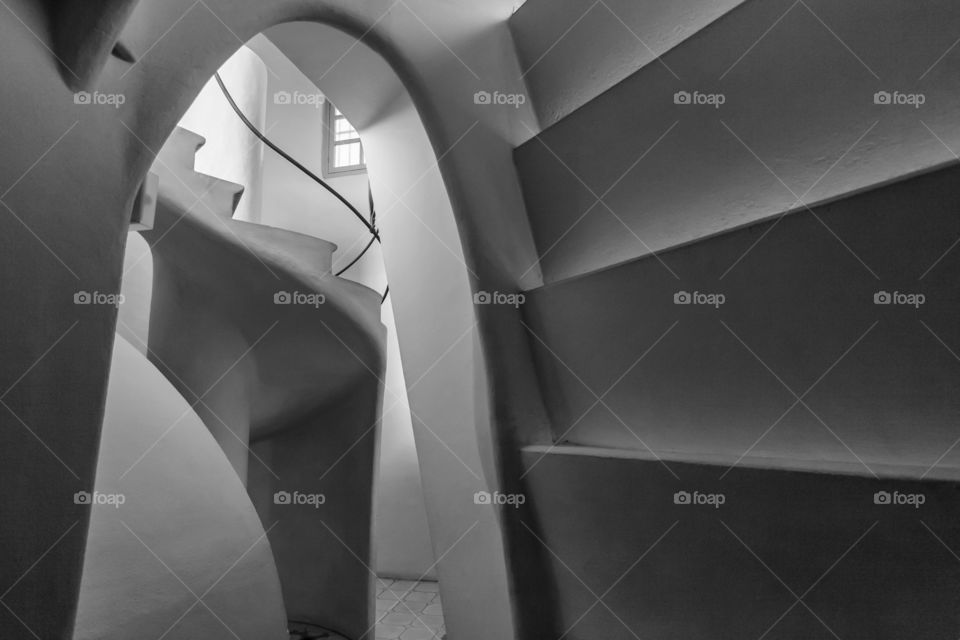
292 201
232 152
133 319
431 289
402 536
186 515
180 54
557 41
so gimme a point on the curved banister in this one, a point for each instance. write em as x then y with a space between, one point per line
357 259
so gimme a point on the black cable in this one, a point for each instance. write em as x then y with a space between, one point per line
373 211
286 156
307 635
357 259
385 293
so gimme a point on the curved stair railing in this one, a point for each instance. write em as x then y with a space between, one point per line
370 224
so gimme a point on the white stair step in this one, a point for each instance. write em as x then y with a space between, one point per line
571 51
181 148
798 314
799 121
697 556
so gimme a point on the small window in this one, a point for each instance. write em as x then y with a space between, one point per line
344 151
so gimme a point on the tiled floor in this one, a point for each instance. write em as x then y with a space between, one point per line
409 610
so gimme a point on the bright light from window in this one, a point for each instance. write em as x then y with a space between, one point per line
345 149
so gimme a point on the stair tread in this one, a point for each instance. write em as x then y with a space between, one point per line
562 68
791 129
947 165
755 461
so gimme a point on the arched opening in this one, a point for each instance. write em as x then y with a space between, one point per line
426 256
98 158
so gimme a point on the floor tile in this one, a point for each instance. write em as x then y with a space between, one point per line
410 606
428 621
418 634
409 610
389 631
403 619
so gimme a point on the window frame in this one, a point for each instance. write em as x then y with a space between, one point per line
330 145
